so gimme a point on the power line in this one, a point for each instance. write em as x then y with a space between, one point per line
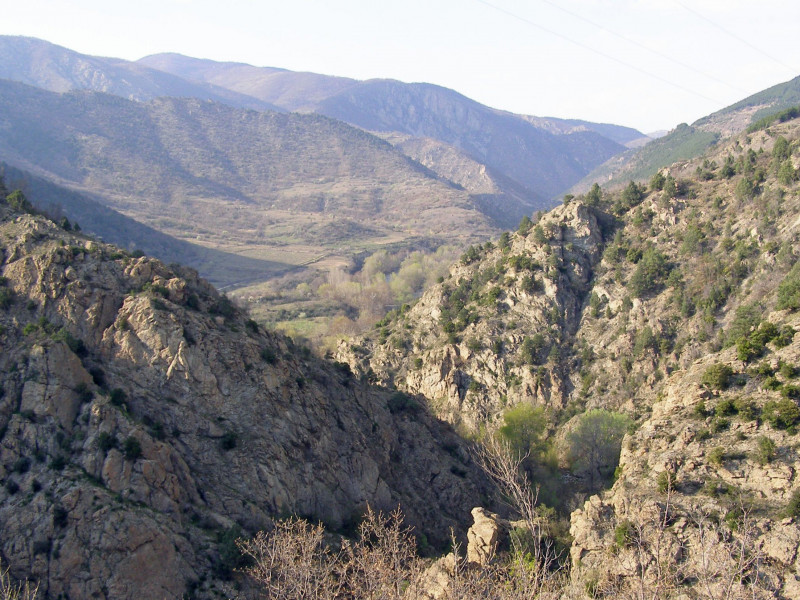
736 37
642 46
600 52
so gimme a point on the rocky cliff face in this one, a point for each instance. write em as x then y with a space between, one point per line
146 423
490 335
706 490
675 304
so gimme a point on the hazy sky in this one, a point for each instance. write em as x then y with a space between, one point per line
649 64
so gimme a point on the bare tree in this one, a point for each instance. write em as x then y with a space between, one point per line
505 467
383 563
292 562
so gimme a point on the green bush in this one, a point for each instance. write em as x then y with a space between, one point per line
793 507
106 441
781 414
6 298
717 376
789 289
268 355
650 273
746 409
400 401
725 408
716 455
765 450
117 397
624 534
131 448
532 350
595 443
720 424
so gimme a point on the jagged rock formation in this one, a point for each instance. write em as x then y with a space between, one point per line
146 423
705 486
676 305
480 340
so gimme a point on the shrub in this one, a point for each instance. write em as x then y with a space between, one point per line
716 455
650 273
783 414
595 443
106 441
21 465
699 411
717 376
131 448
117 397
269 356
6 298
399 402
793 507
720 424
624 534
58 462
765 450
725 408
746 409
525 225
228 441
524 429
60 516
791 391
789 289
789 371
532 349
657 182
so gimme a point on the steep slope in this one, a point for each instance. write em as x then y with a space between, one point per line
602 283
677 306
232 179
479 342
58 69
146 423
690 141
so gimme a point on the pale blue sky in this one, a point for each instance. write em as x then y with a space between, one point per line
563 58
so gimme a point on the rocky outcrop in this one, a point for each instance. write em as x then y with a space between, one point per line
701 499
489 336
146 424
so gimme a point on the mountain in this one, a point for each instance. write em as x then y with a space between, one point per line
670 313
627 136
690 141
290 90
58 69
542 160
146 424
281 187
220 268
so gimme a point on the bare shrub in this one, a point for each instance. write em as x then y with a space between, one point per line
16 591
